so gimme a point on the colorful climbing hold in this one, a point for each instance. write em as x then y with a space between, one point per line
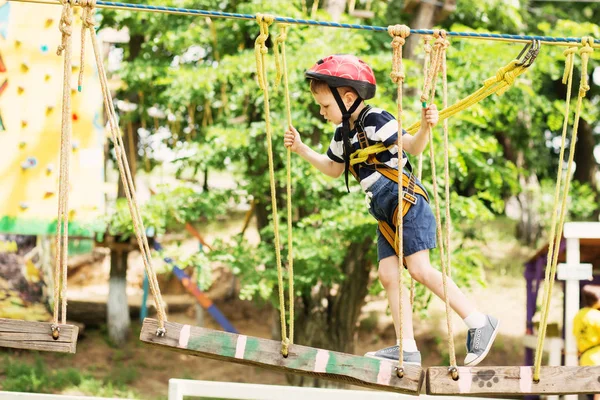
44 48
30 162
24 68
20 90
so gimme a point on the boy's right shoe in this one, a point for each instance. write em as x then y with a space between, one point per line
480 340
391 354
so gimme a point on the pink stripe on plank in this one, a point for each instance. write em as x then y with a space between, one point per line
240 347
385 373
465 379
184 336
525 379
321 361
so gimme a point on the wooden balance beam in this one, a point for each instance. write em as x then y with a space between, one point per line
31 335
345 368
513 381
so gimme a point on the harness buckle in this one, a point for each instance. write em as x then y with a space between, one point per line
411 198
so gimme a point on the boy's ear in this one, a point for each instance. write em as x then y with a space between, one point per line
349 98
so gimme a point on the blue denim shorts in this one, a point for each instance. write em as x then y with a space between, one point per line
419 225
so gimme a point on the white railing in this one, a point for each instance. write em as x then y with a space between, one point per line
178 388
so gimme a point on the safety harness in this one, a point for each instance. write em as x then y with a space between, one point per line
366 157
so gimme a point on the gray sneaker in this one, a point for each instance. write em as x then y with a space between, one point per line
391 354
480 340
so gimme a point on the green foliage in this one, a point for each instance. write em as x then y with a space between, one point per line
170 209
179 66
581 203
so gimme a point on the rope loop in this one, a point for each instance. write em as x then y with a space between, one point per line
65 26
570 55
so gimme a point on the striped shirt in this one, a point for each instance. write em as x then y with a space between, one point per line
379 126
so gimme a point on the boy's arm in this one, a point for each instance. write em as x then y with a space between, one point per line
320 161
323 163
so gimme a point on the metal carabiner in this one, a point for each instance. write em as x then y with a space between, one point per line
529 53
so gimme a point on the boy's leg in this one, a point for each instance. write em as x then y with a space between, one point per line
388 275
482 328
420 269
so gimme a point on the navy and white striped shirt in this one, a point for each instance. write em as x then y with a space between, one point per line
379 126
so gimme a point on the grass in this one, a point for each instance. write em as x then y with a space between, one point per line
38 377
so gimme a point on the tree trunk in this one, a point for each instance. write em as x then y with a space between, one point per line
117 308
584 155
327 319
424 19
335 8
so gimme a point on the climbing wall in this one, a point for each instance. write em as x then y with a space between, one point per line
31 79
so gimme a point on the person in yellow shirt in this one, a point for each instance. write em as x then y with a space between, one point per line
586 328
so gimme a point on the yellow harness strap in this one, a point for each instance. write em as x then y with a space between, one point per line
410 189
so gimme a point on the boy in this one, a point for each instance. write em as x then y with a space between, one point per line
586 328
340 84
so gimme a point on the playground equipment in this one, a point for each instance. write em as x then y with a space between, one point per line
289 357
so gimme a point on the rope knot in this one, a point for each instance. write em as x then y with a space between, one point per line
402 31
398 41
397 77
65 26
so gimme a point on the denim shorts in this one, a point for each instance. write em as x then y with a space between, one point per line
419 225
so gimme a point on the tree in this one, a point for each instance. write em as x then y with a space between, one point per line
181 76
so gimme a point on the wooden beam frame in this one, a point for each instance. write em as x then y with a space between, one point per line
363 371
513 381
32 335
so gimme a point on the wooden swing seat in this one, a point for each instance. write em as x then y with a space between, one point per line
513 381
32 335
247 350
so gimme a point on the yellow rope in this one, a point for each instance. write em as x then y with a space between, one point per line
261 71
62 221
554 243
282 72
498 84
437 64
125 172
399 33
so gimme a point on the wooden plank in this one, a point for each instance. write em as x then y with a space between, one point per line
513 380
241 349
31 335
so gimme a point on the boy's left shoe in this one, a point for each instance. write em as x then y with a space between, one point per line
480 340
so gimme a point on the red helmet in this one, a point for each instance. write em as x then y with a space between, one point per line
345 70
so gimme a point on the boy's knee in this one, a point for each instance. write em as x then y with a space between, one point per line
417 272
388 273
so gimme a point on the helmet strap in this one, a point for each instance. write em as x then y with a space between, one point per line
346 114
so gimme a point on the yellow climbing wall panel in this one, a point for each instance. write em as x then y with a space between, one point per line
31 80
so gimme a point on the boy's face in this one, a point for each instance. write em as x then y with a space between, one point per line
329 108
